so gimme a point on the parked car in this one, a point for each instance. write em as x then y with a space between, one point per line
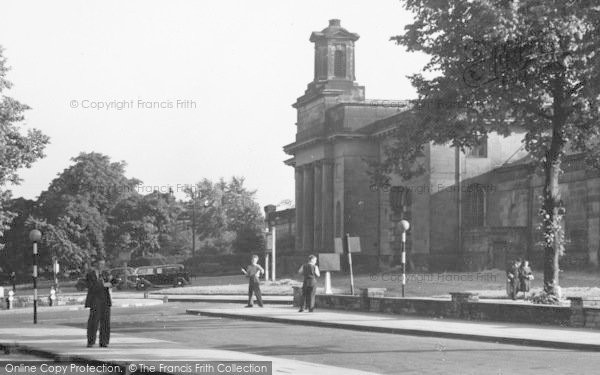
124 277
167 274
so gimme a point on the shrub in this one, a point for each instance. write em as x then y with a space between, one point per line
544 298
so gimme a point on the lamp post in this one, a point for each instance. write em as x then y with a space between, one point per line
35 235
405 225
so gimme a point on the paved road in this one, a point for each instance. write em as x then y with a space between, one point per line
382 353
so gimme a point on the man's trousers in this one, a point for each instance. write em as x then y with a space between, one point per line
309 296
99 316
254 287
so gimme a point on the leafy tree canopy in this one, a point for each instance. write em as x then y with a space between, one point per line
17 150
530 66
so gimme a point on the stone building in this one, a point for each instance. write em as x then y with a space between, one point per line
468 210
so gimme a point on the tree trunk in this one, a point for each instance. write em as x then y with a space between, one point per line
552 210
551 225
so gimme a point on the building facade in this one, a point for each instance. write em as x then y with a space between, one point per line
456 207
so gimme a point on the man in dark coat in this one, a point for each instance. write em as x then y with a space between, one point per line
99 301
512 274
310 271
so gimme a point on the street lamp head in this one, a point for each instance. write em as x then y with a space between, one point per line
405 225
35 235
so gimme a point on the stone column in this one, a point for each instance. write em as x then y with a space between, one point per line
308 209
317 214
327 206
299 179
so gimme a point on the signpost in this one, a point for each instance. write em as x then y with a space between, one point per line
348 245
271 240
271 233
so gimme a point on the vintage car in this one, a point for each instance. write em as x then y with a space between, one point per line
166 274
124 277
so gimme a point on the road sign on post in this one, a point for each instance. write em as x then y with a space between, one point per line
346 246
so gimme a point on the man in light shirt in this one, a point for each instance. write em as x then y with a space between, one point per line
253 272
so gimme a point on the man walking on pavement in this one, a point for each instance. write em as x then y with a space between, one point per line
99 301
253 272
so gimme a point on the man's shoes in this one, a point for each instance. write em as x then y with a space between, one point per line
104 345
249 306
301 310
261 305
311 310
90 345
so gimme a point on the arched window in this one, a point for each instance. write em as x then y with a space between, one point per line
339 64
474 213
338 219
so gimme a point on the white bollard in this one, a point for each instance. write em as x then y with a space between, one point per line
328 283
11 298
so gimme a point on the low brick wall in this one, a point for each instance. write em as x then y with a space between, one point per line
467 308
27 301
581 316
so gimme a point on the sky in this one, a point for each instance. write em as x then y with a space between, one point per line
185 90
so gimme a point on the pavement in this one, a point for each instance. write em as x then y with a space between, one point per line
116 303
60 343
497 332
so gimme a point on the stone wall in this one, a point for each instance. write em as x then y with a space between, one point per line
515 201
575 315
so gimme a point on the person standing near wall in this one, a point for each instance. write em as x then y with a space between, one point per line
310 271
512 275
525 277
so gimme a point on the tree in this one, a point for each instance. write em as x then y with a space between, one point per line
16 255
530 66
143 224
16 149
245 217
73 212
227 218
